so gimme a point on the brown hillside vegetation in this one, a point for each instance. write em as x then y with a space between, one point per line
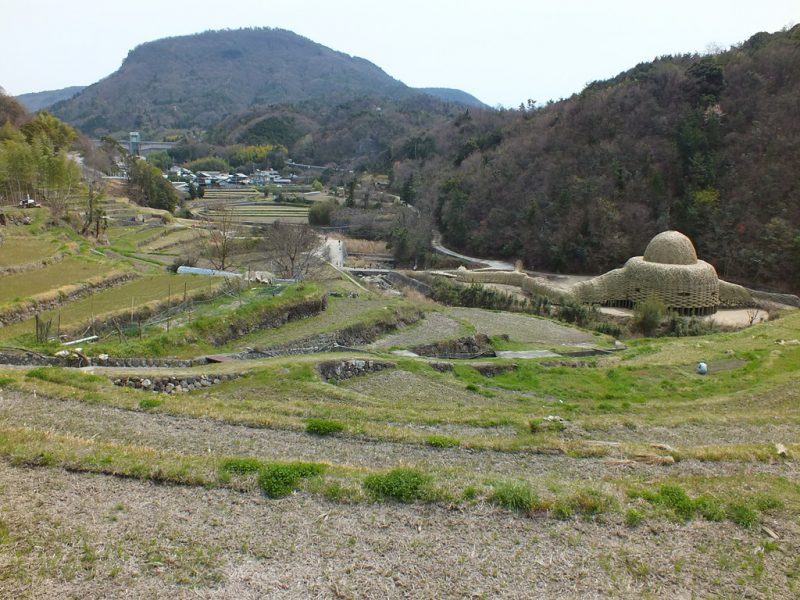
706 145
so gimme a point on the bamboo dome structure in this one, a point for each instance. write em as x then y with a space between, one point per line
669 269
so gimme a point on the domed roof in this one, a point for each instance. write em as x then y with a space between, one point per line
670 248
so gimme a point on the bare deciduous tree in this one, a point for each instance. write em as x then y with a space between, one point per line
292 249
221 242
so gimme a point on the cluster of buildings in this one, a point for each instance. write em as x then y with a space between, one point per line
181 178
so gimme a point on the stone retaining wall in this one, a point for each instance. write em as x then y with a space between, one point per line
339 370
173 384
465 347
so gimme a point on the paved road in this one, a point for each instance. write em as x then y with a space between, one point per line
494 265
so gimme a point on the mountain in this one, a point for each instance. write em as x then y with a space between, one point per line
454 96
40 100
708 145
196 81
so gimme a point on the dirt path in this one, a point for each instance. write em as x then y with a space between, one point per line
70 535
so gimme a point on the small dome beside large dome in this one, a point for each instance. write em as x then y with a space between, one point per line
670 248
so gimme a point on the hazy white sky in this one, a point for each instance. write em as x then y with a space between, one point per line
502 51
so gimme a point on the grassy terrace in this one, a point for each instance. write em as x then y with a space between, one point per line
135 294
20 251
18 286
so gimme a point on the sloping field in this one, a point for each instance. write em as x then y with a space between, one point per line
521 328
146 289
20 251
261 213
18 286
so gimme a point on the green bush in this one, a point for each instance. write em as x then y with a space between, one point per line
278 479
609 328
323 427
573 311
516 495
6 381
647 315
679 326
401 484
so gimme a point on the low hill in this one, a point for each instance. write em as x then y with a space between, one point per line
40 100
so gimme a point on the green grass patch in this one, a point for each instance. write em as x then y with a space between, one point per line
277 480
587 503
241 466
323 427
515 495
442 441
147 403
401 484
64 376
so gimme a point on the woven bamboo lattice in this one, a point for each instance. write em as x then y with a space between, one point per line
669 270
532 285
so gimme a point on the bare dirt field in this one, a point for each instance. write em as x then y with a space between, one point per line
434 327
521 328
93 536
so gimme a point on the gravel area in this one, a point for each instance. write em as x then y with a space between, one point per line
69 535
433 328
521 328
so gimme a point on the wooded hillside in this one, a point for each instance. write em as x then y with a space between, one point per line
708 145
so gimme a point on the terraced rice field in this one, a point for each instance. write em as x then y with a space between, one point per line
18 286
261 213
146 289
20 251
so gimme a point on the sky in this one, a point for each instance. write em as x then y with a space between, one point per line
502 51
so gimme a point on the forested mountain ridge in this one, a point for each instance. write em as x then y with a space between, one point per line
197 80
706 145
41 100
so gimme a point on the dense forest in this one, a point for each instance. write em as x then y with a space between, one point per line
708 145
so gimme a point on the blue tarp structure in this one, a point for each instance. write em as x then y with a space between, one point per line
210 272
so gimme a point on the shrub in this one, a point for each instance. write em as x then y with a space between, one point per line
6 381
442 441
679 326
516 495
323 427
609 328
647 315
573 311
401 484
278 480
